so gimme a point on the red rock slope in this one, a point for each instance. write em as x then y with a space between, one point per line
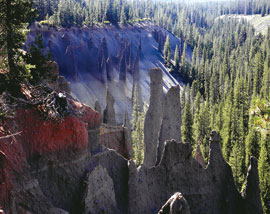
39 137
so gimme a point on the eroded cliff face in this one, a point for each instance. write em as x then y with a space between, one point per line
61 167
94 59
41 168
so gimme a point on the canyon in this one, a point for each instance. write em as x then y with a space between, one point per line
83 162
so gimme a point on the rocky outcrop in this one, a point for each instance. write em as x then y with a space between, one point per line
54 81
102 59
43 166
99 194
177 204
209 190
251 191
171 121
153 118
109 113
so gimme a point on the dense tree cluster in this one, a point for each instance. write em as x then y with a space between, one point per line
12 24
16 65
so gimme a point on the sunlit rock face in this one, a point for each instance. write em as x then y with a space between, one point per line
93 59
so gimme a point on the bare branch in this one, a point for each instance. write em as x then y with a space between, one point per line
12 135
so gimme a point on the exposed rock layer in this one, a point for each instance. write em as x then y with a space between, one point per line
109 113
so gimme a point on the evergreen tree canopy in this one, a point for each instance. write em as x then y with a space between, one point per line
15 15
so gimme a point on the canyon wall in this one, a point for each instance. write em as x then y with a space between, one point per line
94 59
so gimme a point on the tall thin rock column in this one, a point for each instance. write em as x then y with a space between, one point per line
136 89
171 121
251 191
123 70
109 113
103 71
153 118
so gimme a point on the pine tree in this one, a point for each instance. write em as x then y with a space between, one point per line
252 144
187 123
265 92
258 73
219 118
138 138
123 19
197 103
14 15
184 66
35 56
226 129
176 58
236 159
183 97
167 51
201 126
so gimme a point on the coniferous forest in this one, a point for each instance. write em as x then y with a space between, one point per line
226 82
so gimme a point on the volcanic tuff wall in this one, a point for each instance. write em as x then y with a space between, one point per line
94 59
